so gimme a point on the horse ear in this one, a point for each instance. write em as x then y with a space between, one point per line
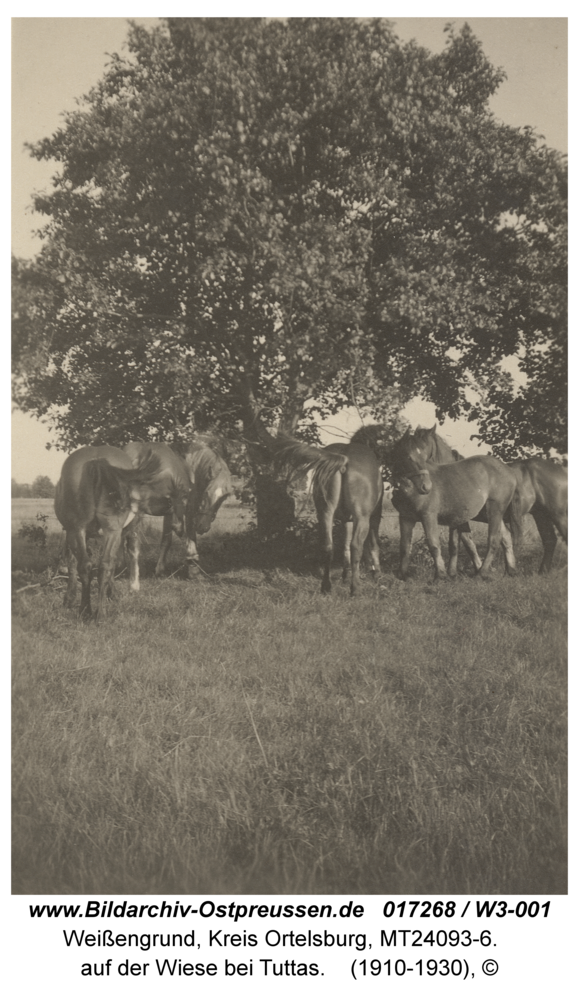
433 429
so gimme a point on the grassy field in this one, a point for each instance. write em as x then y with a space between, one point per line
242 733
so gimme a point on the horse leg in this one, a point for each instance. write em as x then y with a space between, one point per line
84 567
453 543
192 555
326 521
406 528
468 542
107 569
432 532
374 542
507 544
132 551
70 594
166 539
347 559
561 522
495 522
548 538
361 528
63 554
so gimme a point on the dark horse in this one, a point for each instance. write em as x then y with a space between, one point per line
543 490
476 488
196 484
409 455
542 485
99 492
347 483
213 485
173 494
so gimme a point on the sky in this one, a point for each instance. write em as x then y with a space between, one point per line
56 60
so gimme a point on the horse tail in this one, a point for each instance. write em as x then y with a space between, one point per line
325 471
99 475
300 457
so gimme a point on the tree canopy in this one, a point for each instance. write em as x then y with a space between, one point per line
250 214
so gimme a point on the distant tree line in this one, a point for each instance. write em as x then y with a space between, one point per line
42 489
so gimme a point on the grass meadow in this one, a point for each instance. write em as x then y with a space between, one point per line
241 733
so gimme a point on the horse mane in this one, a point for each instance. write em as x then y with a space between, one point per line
212 440
181 481
301 457
440 452
206 465
367 435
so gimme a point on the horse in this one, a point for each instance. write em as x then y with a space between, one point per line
199 476
100 492
542 485
347 483
376 437
475 488
212 481
543 490
174 492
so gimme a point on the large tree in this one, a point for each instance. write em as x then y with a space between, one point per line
251 214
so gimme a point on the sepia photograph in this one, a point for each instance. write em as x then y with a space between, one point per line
289 457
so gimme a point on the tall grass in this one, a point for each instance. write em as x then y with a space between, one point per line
242 733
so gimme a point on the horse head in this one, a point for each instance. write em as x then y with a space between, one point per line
415 483
407 456
212 487
214 495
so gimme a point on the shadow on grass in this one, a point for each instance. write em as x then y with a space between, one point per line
297 551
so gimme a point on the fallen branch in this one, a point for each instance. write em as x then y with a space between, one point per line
45 583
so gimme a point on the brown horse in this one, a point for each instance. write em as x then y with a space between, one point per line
174 490
542 485
213 485
99 492
347 484
194 485
476 488
410 454
543 490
